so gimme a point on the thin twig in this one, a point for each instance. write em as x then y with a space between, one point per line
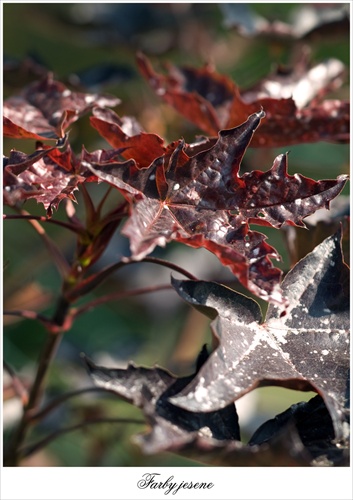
165 263
89 206
11 456
58 257
17 384
90 283
33 417
117 296
32 448
23 313
46 357
41 218
95 280
116 214
104 199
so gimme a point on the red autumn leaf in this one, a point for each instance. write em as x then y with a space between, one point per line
43 180
127 134
15 131
48 175
203 202
45 109
293 114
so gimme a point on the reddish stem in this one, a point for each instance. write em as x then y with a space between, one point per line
170 265
32 448
117 296
38 415
30 315
41 218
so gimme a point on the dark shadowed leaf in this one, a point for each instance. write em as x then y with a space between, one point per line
45 109
305 347
201 95
203 202
150 390
285 450
18 162
300 436
293 114
314 426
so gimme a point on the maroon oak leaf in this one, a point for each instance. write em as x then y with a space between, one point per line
293 114
48 175
43 180
305 349
45 109
203 202
126 133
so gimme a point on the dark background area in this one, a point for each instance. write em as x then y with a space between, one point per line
93 47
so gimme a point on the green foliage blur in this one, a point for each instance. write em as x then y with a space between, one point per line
97 44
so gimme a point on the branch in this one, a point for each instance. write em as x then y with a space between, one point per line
165 263
17 384
89 206
33 417
55 334
104 199
54 250
96 279
23 313
32 448
117 296
45 360
41 218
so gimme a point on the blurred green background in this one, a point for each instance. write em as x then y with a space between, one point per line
95 45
